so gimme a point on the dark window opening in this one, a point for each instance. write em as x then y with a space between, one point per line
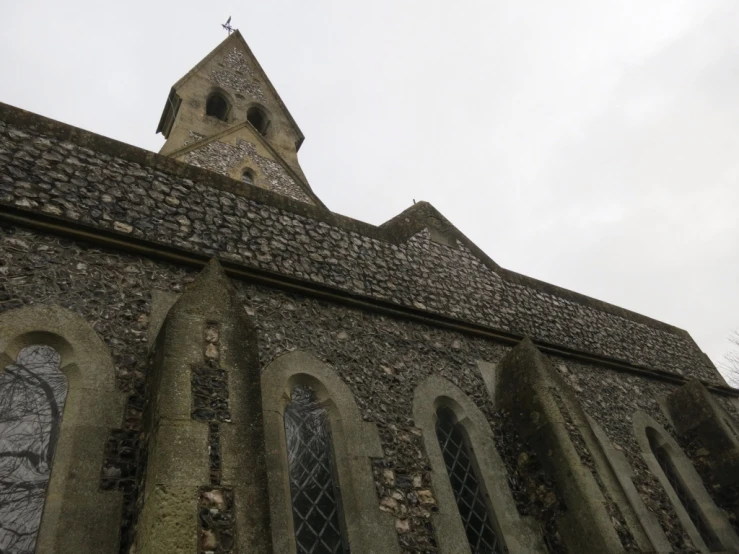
686 499
216 106
258 119
314 491
247 177
465 481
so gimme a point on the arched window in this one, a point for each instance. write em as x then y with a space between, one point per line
216 106
664 459
258 119
317 443
32 395
704 522
316 505
466 484
45 351
469 479
247 177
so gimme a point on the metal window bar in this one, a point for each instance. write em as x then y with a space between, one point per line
468 493
316 503
688 502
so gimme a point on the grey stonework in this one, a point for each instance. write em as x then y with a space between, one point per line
194 137
238 75
173 435
58 177
221 157
381 359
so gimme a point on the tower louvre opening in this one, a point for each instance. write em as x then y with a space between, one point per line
216 106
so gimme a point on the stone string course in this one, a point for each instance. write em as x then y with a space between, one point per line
193 137
238 76
64 179
381 360
221 157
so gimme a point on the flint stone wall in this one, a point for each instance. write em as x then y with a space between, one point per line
222 158
40 172
237 75
381 359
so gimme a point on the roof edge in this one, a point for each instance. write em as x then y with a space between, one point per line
206 140
396 230
237 36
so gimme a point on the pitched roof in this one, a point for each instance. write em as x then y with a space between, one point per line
236 39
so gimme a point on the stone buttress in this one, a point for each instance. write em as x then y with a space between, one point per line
205 483
711 437
597 515
694 412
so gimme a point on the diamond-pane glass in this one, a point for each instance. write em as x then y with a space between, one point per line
315 497
466 485
688 502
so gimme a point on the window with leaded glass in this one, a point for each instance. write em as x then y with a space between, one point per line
32 395
686 499
466 484
314 491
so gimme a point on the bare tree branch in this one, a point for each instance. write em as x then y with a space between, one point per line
32 395
730 367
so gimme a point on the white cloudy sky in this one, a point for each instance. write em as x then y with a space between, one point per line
592 145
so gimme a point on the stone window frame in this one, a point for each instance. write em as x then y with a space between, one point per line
77 516
252 174
266 128
355 442
520 535
623 473
226 97
691 481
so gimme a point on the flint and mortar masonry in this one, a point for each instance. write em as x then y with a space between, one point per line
63 179
238 76
381 359
221 157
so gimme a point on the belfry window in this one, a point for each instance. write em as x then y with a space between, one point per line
466 484
32 395
216 106
247 177
258 119
314 491
686 499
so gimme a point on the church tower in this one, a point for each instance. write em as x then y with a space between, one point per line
224 115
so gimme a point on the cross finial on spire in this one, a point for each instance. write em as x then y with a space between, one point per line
227 25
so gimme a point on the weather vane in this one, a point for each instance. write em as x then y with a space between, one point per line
227 25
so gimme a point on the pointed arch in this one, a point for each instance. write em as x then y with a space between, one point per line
518 534
354 442
704 522
641 522
76 515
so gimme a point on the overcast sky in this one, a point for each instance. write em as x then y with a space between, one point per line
592 145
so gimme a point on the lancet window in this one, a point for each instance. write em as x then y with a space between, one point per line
686 499
314 491
33 391
466 484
